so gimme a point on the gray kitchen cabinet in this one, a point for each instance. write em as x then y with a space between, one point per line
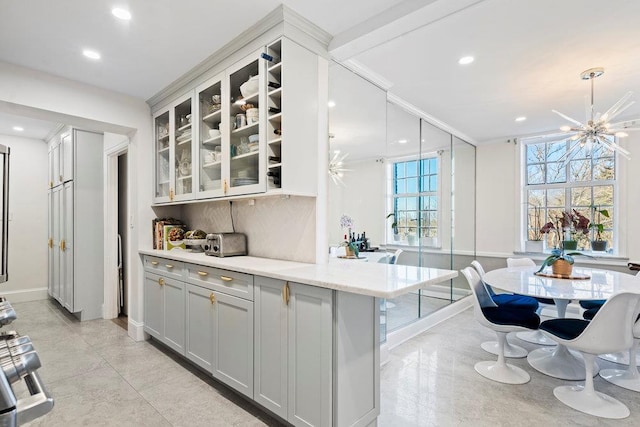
76 223
220 336
233 342
164 310
293 351
200 324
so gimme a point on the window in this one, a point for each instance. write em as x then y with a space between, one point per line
415 197
553 186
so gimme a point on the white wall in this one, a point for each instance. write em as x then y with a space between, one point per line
28 173
362 197
498 189
41 95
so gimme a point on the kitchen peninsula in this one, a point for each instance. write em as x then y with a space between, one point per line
274 330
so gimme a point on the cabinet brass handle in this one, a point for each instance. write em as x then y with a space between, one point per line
161 281
285 293
168 265
171 194
50 184
50 243
212 298
63 245
60 178
225 186
203 273
154 262
226 279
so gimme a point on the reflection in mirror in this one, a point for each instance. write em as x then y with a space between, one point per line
409 185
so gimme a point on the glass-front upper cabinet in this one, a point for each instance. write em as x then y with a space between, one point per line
211 96
246 126
174 151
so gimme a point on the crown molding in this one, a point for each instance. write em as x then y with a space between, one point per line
272 22
395 99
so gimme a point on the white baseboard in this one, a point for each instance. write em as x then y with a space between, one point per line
399 336
136 330
25 295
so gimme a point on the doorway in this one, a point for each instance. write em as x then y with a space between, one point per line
123 244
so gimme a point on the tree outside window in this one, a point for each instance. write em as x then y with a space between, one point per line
554 186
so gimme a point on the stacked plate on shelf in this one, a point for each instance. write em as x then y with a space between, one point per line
244 181
185 136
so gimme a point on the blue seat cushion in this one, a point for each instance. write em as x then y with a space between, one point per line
567 329
516 301
592 304
511 316
590 313
545 300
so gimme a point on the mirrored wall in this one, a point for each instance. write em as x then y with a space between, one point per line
406 184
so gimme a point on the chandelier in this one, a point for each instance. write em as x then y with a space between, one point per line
336 167
598 128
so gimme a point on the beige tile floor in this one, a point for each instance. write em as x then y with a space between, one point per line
100 377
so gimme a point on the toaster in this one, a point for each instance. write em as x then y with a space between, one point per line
226 244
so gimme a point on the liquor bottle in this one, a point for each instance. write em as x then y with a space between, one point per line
275 159
275 175
273 85
274 110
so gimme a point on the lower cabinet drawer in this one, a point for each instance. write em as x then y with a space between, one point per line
230 282
164 267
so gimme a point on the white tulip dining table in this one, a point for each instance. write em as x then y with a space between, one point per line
559 361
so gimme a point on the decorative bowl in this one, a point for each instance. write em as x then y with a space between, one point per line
249 87
214 132
254 138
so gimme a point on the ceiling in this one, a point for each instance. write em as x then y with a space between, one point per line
529 54
32 128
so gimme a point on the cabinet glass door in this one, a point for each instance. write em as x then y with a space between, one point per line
183 150
163 160
246 129
274 114
210 175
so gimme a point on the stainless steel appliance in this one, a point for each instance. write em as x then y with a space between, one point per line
226 244
18 360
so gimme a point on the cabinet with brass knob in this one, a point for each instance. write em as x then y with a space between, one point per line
220 336
75 222
164 310
293 350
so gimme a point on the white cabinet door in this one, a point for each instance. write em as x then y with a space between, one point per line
154 305
310 335
174 314
233 342
66 157
54 243
270 327
67 261
200 319
55 174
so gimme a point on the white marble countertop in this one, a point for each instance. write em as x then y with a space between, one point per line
371 279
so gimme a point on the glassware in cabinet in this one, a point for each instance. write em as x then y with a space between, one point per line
163 157
211 96
246 126
183 150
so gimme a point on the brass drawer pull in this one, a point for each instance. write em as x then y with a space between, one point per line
161 281
203 273
50 243
285 293
226 279
168 265
63 245
212 298
154 262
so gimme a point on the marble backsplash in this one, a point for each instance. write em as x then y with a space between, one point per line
282 228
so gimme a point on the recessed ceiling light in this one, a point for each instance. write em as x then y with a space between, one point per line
18 128
465 60
521 119
331 104
121 13
402 141
92 54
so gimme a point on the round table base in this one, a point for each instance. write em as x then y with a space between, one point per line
502 373
622 378
535 337
511 351
595 403
559 362
619 358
